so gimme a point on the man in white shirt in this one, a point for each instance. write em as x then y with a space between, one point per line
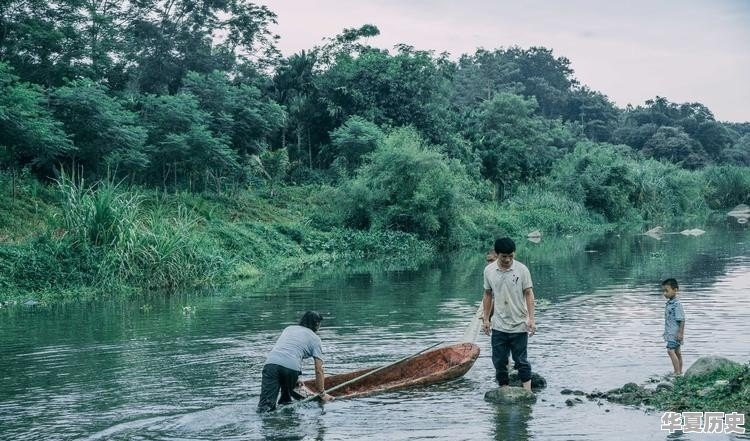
509 300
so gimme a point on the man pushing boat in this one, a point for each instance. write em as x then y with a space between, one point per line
284 363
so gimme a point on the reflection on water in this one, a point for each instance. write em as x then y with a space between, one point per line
512 422
144 369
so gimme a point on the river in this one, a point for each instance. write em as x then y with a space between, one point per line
187 366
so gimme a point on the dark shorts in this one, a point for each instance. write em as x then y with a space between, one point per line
673 344
277 378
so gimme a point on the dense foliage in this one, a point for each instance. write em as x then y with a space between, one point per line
192 97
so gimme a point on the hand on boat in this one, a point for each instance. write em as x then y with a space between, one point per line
326 397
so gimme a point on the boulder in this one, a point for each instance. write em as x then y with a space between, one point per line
510 395
537 381
706 365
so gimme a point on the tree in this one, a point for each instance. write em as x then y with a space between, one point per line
356 138
238 112
674 145
105 134
30 133
594 111
738 153
391 91
514 145
181 147
598 176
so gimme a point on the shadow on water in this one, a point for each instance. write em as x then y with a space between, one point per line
511 422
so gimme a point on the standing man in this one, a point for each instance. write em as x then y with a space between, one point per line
284 363
507 286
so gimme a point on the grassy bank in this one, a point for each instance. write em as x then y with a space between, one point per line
70 240
724 390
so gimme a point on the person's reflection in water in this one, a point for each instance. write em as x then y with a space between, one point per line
512 422
284 424
293 424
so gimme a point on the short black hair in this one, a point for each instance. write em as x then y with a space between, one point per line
311 320
672 283
505 245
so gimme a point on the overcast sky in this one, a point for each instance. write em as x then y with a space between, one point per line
684 50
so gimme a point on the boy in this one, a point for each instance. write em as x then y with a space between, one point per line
674 323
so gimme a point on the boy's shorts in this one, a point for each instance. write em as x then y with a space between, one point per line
672 344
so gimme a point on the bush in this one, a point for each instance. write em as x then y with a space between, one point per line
726 186
663 190
599 177
407 186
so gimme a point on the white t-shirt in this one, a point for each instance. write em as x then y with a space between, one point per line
511 312
295 344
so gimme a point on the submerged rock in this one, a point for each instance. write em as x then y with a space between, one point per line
537 381
630 394
510 395
706 365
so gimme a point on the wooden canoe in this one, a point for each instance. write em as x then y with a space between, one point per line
431 367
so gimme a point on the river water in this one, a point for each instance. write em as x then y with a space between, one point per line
187 366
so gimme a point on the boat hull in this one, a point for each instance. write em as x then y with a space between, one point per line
431 367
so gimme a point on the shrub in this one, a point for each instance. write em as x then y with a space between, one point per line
407 186
726 186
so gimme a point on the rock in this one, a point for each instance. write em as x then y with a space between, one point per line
656 233
569 402
510 395
664 387
566 392
741 213
706 365
596 394
537 381
630 394
30 302
740 210
692 232
579 392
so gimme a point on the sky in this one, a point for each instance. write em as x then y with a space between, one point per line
683 50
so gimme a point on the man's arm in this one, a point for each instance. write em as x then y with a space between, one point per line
681 332
528 294
320 376
486 310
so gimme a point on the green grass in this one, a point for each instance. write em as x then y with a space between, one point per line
724 390
69 239
104 239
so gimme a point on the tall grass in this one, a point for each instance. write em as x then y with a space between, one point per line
727 186
157 248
